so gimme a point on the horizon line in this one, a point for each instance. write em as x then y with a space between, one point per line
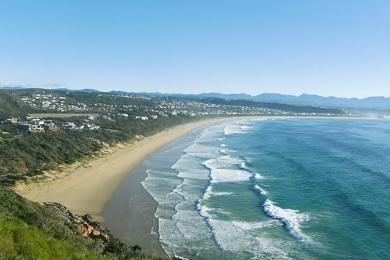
58 87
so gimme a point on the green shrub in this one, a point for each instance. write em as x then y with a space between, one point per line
32 231
28 242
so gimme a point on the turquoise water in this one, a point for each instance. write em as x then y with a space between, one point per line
277 189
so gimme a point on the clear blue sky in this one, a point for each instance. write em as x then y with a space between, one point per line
328 47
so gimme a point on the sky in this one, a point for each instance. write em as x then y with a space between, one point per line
326 47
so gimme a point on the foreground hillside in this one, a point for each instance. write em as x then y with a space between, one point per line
32 231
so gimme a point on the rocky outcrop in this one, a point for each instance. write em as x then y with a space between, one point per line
84 225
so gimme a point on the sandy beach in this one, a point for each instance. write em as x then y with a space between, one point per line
87 187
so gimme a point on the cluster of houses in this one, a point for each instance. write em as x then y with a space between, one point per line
49 102
174 107
74 126
144 118
37 125
151 107
34 125
141 107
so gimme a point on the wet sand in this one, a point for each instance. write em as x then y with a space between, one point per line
130 212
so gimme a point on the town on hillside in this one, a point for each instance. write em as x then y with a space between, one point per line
49 110
41 129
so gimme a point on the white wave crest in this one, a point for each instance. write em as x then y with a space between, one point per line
258 176
236 129
290 218
223 169
223 151
260 190
222 193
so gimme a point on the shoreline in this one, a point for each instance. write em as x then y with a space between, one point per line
86 187
130 213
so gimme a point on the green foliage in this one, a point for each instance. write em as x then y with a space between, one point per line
9 105
32 231
117 247
30 154
18 240
13 206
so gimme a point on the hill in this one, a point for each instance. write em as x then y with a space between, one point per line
379 102
9 105
29 230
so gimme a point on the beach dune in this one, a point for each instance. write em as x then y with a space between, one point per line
86 189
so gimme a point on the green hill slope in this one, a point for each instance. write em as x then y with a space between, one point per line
9 105
29 230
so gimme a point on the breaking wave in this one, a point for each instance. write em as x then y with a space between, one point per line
290 218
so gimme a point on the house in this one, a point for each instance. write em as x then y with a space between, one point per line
69 125
31 128
143 118
50 125
37 121
53 127
92 126
36 129
123 115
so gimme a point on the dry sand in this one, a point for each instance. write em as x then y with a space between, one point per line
87 187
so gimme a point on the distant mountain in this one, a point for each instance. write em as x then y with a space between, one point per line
62 89
86 90
11 87
241 96
27 87
369 103
310 100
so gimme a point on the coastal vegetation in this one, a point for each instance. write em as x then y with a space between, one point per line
29 230
25 155
10 106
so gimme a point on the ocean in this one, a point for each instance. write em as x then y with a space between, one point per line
275 189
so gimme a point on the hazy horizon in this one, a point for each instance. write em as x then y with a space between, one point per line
327 48
176 93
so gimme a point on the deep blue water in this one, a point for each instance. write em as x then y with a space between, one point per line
274 189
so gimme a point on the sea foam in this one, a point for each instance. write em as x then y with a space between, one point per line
290 218
225 169
237 128
183 229
260 190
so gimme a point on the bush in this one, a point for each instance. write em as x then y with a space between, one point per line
32 231
28 242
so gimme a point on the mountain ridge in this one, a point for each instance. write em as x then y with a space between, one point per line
372 102
309 99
